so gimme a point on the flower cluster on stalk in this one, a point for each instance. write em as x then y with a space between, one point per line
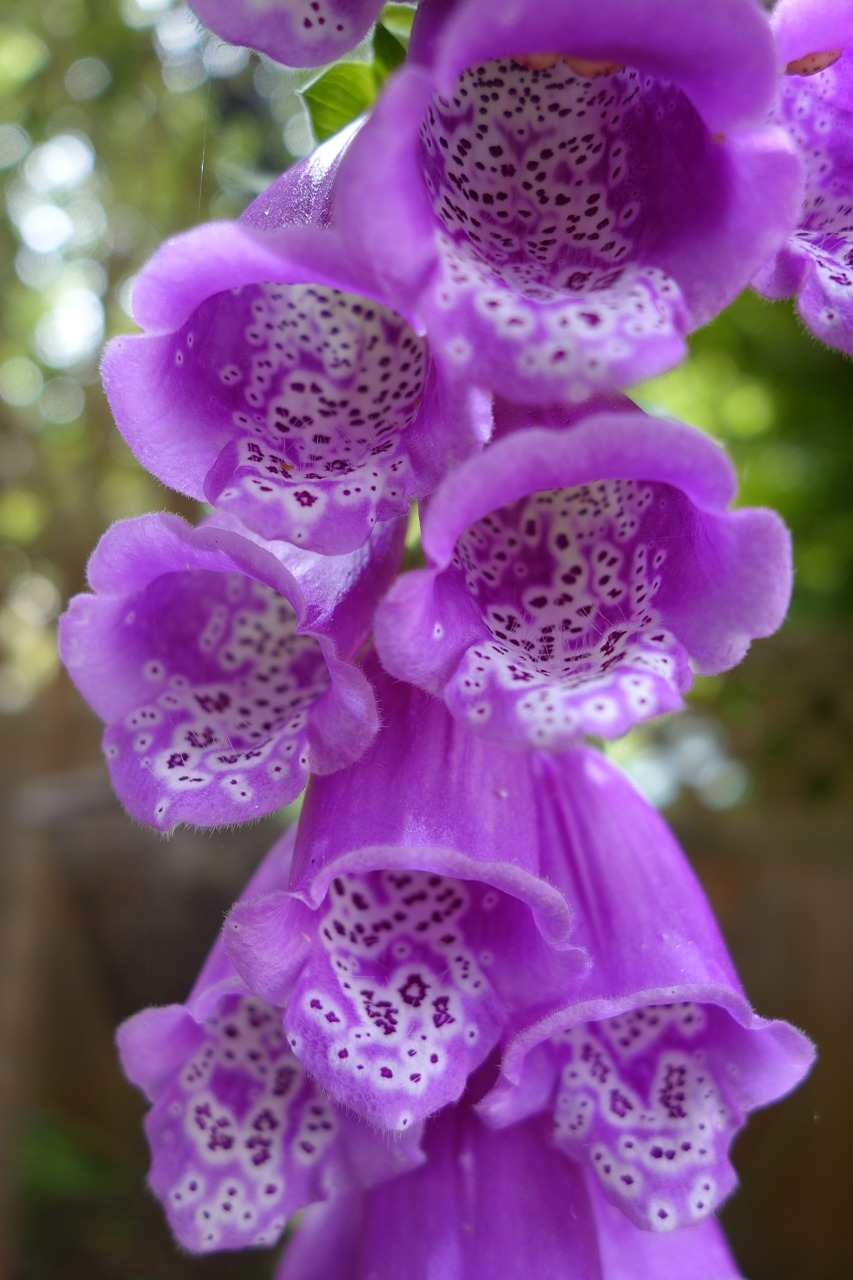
474 1016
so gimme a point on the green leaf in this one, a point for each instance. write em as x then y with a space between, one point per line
398 18
388 52
340 95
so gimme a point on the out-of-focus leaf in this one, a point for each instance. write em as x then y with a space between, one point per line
388 52
22 55
58 1161
398 18
340 95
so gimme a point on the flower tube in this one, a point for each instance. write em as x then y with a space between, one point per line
424 911
649 1068
222 665
580 186
815 106
575 577
492 1204
281 381
240 1137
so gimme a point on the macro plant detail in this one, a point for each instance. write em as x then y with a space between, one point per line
473 1016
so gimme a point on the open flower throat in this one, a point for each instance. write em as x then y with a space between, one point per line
321 377
554 172
567 583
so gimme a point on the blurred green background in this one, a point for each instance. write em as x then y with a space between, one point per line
122 122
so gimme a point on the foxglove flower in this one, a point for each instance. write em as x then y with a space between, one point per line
222 666
574 213
424 911
240 1136
575 574
299 33
492 1204
651 1063
815 105
278 380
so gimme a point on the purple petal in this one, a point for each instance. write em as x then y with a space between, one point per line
803 27
484 1205
240 1137
574 575
816 262
487 1205
216 667
577 227
279 382
657 1057
433 924
299 33
720 56
698 1252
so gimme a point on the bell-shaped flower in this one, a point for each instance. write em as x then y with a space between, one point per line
240 1136
424 911
650 1064
488 1204
581 185
299 33
815 106
578 572
280 381
222 665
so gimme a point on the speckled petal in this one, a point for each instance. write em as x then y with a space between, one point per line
573 227
278 381
418 921
803 27
299 33
484 1205
698 1252
577 572
720 55
240 1137
492 1205
652 1064
816 262
221 665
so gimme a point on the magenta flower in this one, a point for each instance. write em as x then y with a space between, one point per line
815 106
424 912
576 574
489 1204
280 381
650 1064
580 187
299 33
240 1136
223 666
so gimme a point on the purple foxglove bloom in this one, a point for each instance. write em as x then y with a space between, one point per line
492 1204
299 33
815 106
581 185
240 1136
650 1064
575 576
222 666
280 381
418 920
